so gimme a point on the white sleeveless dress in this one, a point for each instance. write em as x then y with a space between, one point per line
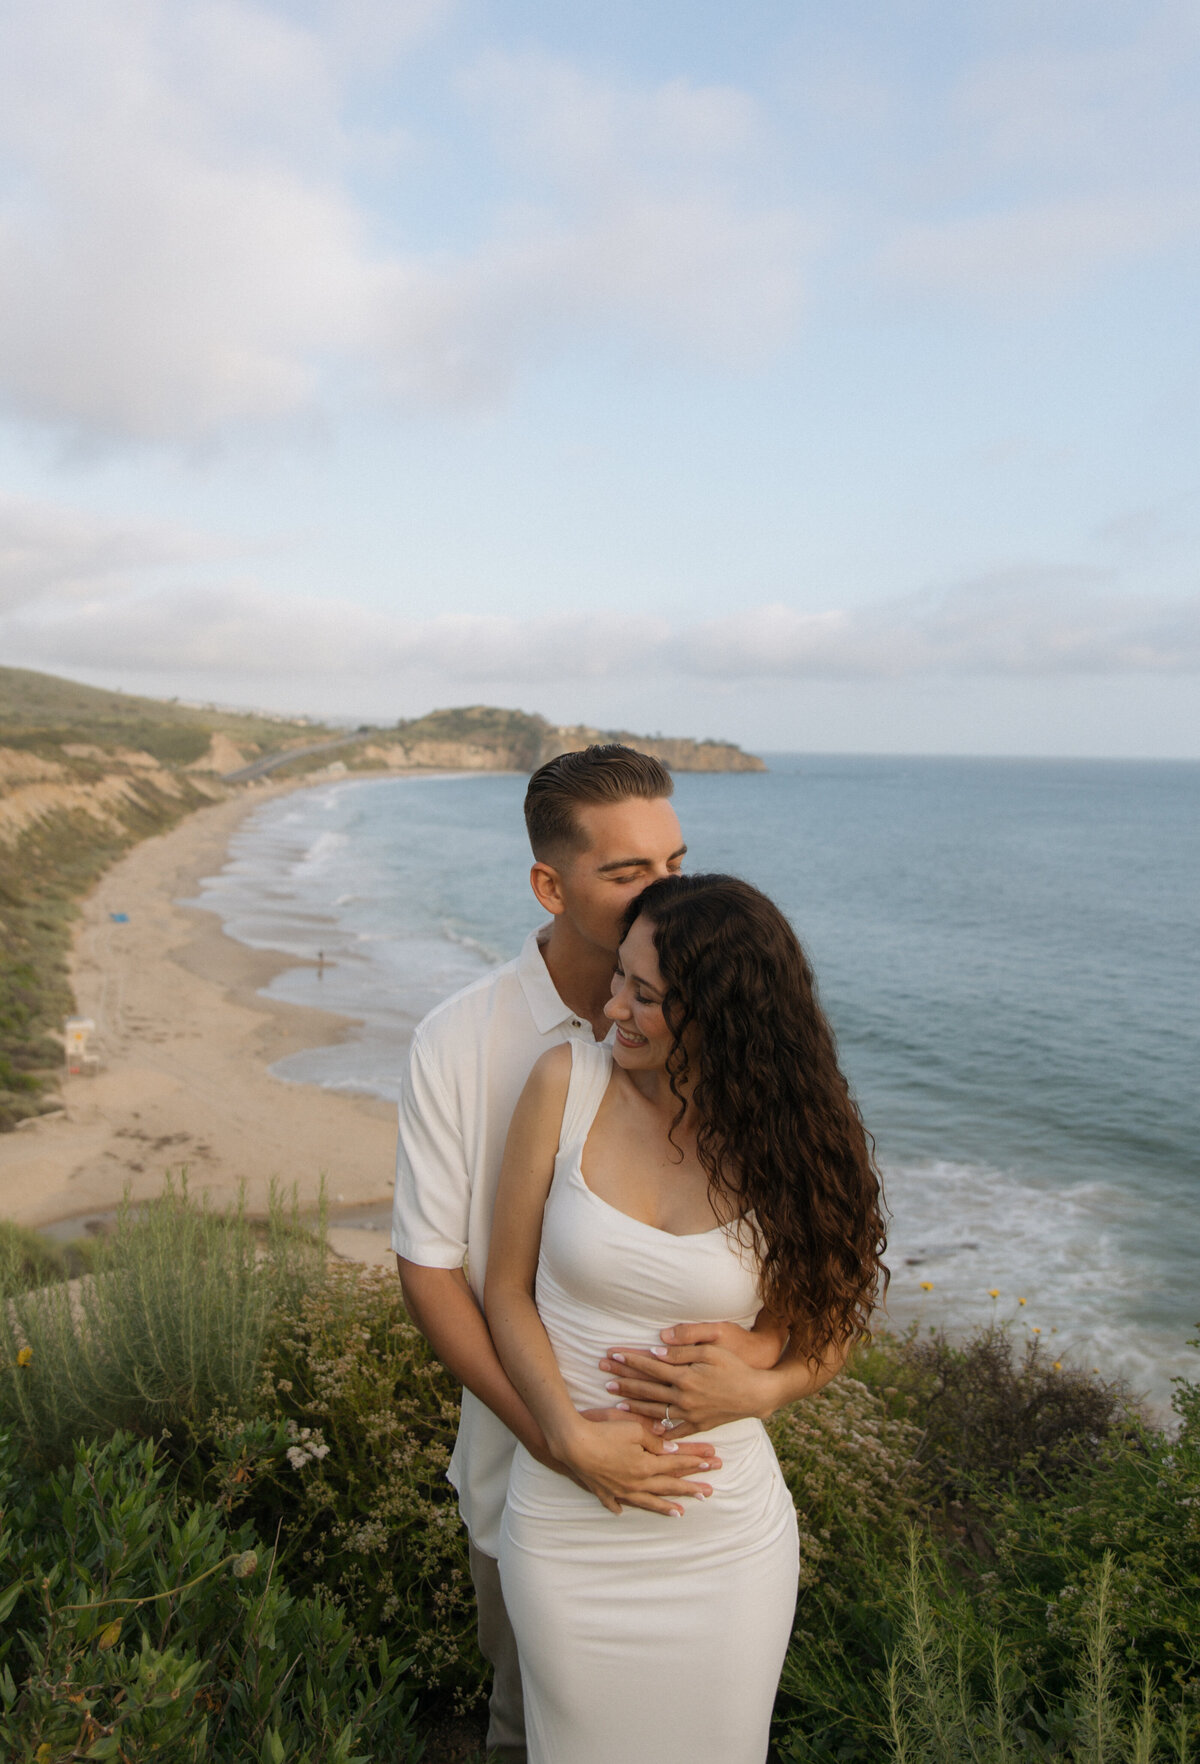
641 1636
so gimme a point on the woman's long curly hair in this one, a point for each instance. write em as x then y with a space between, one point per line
778 1132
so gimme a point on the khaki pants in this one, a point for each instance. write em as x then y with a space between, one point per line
498 1645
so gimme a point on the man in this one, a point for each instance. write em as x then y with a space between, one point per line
602 828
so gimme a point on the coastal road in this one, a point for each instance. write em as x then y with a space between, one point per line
259 768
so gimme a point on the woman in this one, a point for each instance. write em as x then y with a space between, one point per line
709 1163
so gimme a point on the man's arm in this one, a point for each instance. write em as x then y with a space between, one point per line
443 1307
430 1221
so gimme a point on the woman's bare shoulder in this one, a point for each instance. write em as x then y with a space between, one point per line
549 1077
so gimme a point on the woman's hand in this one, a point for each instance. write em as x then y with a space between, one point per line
705 1375
615 1459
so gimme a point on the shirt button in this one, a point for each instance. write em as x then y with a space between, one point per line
575 1023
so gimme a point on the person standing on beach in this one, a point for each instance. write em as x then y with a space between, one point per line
602 828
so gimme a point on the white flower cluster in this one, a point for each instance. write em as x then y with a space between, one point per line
307 1447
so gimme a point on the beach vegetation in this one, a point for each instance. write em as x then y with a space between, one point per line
27 1259
170 1327
140 1624
959 1598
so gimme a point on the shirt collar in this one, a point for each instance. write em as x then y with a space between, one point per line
546 1008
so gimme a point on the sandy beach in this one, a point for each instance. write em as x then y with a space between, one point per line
186 1044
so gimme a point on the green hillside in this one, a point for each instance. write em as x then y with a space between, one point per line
84 774
39 709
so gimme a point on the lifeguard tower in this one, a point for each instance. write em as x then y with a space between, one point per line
75 1040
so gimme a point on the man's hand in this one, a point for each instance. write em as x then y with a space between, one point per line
614 1458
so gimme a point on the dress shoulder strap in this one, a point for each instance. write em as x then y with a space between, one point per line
591 1068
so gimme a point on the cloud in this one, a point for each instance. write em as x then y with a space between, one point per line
1023 623
1048 166
56 554
1120 106
1041 248
81 594
184 248
204 226
577 132
169 263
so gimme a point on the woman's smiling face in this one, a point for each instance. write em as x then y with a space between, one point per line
643 1039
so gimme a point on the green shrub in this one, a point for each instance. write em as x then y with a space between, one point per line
26 1259
937 1714
139 1628
993 1415
356 1425
289 1390
1136 1506
1019 1532
173 1325
850 1463
299 1400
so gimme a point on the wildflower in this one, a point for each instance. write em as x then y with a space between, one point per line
927 1286
1020 1301
24 1356
993 1292
1036 1330
296 1457
245 1564
1058 1365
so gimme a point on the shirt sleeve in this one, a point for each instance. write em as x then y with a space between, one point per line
432 1202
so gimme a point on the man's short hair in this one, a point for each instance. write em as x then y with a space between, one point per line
600 774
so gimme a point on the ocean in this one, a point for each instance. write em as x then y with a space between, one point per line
1009 952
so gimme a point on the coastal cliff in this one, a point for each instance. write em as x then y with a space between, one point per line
482 738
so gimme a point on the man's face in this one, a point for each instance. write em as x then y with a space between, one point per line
629 845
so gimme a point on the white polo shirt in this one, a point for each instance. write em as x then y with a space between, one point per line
467 1066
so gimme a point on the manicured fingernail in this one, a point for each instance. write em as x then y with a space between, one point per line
613 1387
678 1512
706 1466
624 1406
619 1358
670 1445
702 1494
668 1335
660 1352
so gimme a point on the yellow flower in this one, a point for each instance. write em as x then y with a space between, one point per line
1036 1330
927 1286
993 1292
24 1356
1020 1301
1058 1365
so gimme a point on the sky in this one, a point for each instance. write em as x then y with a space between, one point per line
815 376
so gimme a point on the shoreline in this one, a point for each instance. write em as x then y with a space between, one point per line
186 1044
